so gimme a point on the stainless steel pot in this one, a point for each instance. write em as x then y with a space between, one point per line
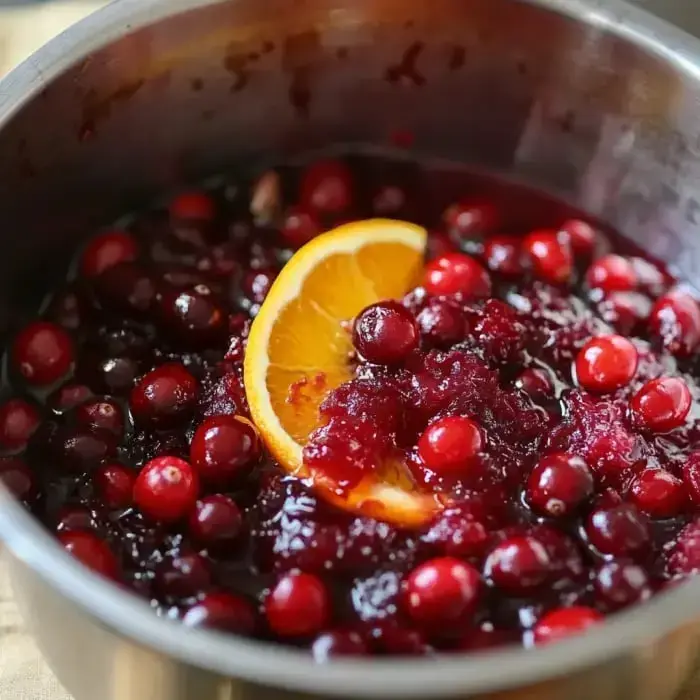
594 101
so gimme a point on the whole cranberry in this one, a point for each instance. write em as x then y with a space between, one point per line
72 518
580 235
192 318
536 383
550 256
164 397
106 414
612 273
114 483
256 284
224 448
469 219
78 450
606 363
450 444
441 592
166 489
126 288
626 311
565 622
68 396
503 255
107 249
222 611
298 606
215 521
559 484
18 421
335 643
184 575
192 206
691 477
18 478
385 333
326 187
518 565
42 353
456 273
675 321
661 404
299 227
91 551
620 584
620 531
441 323
658 493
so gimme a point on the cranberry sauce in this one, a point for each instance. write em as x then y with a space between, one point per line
543 379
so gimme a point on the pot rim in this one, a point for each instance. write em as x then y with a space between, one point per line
275 665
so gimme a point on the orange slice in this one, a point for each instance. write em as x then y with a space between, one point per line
300 345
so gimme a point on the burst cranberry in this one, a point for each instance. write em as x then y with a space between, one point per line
164 397
457 273
658 493
621 531
565 622
661 404
222 611
580 235
675 321
216 520
166 489
17 478
536 383
107 249
331 645
606 363
192 206
115 485
223 448
42 353
183 576
326 187
299 227
385 333
18 421
298 606
105 414
691 477
92 552
559 484
518 565
441 323
550 256
619 584
502 255
450 444
467 219
193 317
612 273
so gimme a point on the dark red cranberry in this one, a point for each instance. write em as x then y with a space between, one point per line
580 235
499 332
550 256
336 643
299 227
92 552
439 245
192 206
112 375
18 421
675 322
389 200
78 450
216 521
224 448
126 288
441 592
441 323
626 311
450 444
565 622
222 611
114 484
456 273
106 414
72 518
166 489
298 606
256 284
164 397
612 273
658 493
385 333
503 255
68 396
17 477
518 565
183 576
470 219
606 363
460 532
661 404
192 318
42 353
684 555
620 584
107 249
559 484
620 531
394 639
68 308
326 187
536 383
220 261
691 477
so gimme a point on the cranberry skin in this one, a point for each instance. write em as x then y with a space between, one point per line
183 576
299 227
606 363
675 321
18 478
104 414
42 353
443 591
612 273
449 444
216 520
164 397
298 606
91 551
337 643
114 484
166 489
620 531
441 324
385 333
658 493
18 421
467 219
192 206
518 565
691 477
107 249
565 622
222 611
536 383
580 235
456 273
559 484
550 256
192 318
620 584
224 448
326 187
661 404
502 255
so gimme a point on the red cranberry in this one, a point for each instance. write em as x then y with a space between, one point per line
183 576
115 485
518 565
166 489
457 532
684 556
606 363
502 255
193 317
675 321
256 284
620 531
107 249
126 288
559 484
192 206
612 273
565 622
441 324
456 273
298 606
223 448
164 397
113 375
389 200
18 421
105 414
550 256
42 353
337 643
536 383
691 477
80 450
385 333
449 444
216 520
658 493
68 396
72 518
442 592
580 235
299 227
619 584
91 551
626 311
467 219
661 404
439 245
17 478
394 639
649 278
326 187
222 611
